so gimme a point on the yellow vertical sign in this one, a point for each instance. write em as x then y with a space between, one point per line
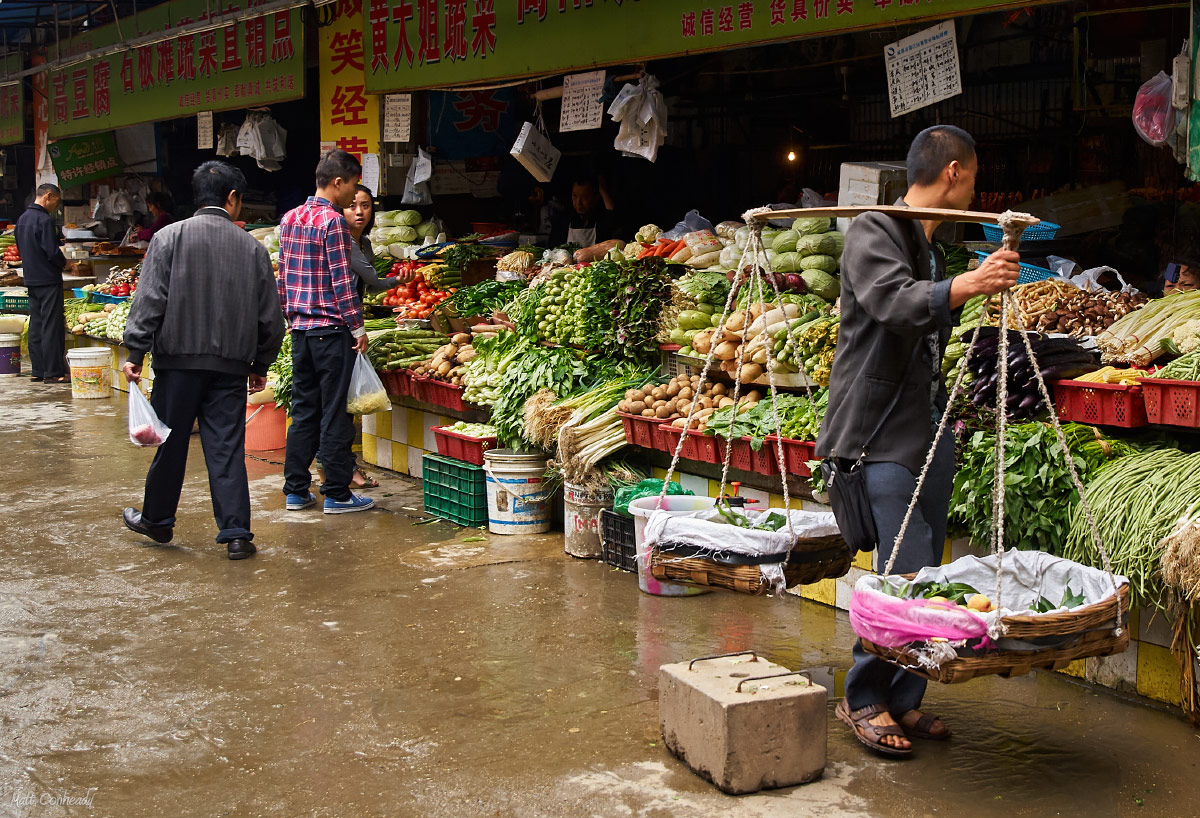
349 115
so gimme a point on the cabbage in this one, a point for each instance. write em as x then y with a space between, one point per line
771 256
769 234
386 218
785 242
822 244
426 229
741 237
786 263
408 234
807 227
826 264
821 283
408 218
730 257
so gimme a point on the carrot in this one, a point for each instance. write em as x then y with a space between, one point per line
663 248
673 248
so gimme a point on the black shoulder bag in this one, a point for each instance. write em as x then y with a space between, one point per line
846 484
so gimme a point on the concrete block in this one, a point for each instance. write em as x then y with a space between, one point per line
1154 627
1118 672
771 734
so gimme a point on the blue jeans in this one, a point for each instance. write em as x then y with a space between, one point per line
890 487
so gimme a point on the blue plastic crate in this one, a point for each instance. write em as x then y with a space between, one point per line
1029 272
1042 231
103 298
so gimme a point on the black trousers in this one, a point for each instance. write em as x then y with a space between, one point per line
890 487
218 401
322 361
47 332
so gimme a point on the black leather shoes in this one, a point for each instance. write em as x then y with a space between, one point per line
134 522
240 549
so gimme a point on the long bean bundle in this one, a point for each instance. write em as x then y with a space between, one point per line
1136 502
1185 368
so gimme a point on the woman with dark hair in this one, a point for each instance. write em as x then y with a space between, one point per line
360 216
160 205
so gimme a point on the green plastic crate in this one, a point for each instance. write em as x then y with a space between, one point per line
454 490
16 302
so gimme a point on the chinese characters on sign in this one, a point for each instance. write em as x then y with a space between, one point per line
397 118
12 102
349 115
582 102
432 44
82 159
248 61
922 69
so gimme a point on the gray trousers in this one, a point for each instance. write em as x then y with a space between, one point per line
890 487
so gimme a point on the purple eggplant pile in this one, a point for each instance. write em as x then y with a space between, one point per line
1056 358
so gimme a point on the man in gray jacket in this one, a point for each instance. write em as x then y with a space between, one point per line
207 308
897 310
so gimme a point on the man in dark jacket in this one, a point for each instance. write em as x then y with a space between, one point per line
42 263
207 308
897 310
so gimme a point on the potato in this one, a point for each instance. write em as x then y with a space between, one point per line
637 394
687 392
729 367
726 351
629 395
657 393
718 389
723 402
623 406
683 406
704 414
751 372
672 389
637 407
681 423
663 411
702 343
683 379
647 413
735 321
706 402
754 396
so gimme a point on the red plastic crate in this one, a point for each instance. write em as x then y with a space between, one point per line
644 432
1101 404
416 388
462 447
696 445
796 454
446 395
395 382
1172 403
745 458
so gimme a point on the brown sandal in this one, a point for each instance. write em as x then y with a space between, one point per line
869 734
923 729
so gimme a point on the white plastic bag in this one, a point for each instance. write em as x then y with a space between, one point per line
1154 118
145 429
642 113
367 395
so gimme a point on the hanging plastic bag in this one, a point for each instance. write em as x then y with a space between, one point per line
692 222
1153 115
367 395
642 113
145 429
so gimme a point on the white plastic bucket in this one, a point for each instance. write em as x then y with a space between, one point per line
641 511
516 492
10 354
91 372
581 519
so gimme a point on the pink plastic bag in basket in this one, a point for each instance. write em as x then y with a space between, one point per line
893 623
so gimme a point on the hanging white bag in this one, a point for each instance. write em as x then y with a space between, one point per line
145 429
367 395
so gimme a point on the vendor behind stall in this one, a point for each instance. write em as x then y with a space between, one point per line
160 205
360 216
593 217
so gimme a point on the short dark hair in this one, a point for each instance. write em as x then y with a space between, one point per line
586 181
371 221
43 189
337 163
933 149
161 200
212 182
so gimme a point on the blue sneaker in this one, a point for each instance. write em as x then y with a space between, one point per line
298 502
356 503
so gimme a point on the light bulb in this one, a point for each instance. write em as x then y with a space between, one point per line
791 157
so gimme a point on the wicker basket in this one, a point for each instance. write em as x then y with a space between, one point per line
1069 636
810 561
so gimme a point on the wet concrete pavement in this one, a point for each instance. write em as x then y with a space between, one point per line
365 665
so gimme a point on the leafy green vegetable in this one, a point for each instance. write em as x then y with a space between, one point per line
485 297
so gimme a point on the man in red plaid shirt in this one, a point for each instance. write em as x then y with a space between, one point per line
317 290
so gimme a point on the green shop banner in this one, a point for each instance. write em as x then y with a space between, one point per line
416 44
12 101
247 61
81 159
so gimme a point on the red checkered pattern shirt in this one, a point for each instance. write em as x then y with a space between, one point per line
316 284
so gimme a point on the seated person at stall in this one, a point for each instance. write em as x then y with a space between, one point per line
593 217
160 205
